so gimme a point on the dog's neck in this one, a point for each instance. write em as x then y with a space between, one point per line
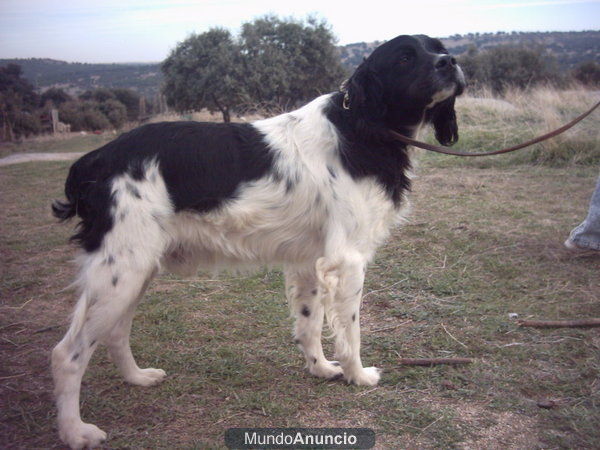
368 150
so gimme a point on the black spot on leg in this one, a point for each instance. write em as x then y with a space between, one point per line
318 199
314 292
115 280
314 360
75 356
110 260
289 185
92 343
305 311
354 317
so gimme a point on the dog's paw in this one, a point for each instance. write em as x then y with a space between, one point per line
82 435
367 376
146 377
326 369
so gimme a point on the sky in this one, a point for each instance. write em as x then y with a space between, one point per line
147 30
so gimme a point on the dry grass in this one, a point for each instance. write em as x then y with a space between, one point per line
203 116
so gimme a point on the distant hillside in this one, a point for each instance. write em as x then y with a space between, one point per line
78 77
569 49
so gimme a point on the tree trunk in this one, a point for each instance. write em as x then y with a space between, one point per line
224 109
226 115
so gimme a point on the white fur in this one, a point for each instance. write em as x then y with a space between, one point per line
323 231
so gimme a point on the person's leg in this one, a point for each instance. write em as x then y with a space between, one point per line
586 236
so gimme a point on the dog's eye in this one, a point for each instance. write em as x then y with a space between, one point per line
405 58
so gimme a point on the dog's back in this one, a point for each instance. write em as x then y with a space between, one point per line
202 164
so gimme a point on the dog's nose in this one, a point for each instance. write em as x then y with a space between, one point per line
445 61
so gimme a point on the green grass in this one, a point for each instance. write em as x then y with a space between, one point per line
481 243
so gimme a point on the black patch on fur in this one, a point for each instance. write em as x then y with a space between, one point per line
75 356
297 341
110 260
305 311
314 292
115 280
133 190
202 165
314 360
354 317
92 343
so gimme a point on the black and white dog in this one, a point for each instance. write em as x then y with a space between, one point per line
315 190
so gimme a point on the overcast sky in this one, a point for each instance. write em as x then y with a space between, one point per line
146 30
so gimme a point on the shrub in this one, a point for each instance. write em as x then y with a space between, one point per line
506 66
588 74
114 111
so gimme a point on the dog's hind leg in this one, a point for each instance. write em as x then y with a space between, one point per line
120 353
110 291
306 305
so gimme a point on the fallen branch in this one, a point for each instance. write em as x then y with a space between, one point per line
434 361
577 323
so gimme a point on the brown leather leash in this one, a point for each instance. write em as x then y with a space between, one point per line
446 151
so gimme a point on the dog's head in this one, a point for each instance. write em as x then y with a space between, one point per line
405 81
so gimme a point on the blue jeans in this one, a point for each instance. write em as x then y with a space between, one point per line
587 234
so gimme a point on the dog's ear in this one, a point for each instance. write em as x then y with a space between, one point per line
365 93
443 118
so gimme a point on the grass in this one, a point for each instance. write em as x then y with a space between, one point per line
483 242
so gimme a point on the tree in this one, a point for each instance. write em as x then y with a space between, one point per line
287 62
18 104
274 62
131 100
55 96
201 72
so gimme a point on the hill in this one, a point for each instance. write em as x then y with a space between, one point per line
568 49
78 77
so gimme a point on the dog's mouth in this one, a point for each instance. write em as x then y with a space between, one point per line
452 84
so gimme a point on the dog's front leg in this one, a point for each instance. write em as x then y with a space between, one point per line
306 305
342 279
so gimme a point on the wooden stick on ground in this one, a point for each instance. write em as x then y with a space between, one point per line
434 361
577 323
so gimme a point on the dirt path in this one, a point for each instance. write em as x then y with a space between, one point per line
28 157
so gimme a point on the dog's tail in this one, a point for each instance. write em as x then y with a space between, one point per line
63 210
